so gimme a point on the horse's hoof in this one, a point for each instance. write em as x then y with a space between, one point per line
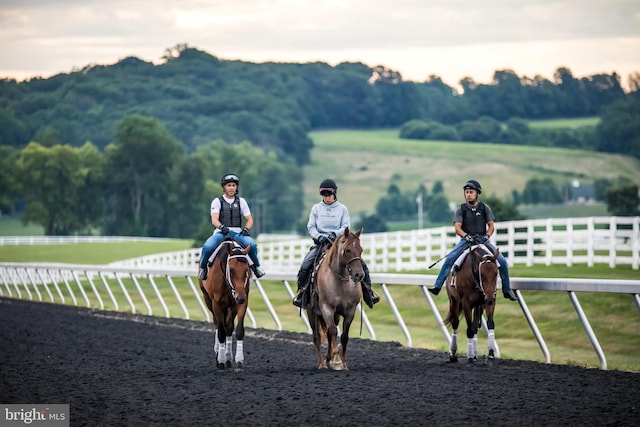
453 359
228 364
472 361
240 365
220 366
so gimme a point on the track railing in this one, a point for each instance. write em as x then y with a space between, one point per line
174 292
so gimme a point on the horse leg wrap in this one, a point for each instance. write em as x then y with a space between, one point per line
474 341
492 340
470 352
216 343
239 351
222 353
229 348
453 348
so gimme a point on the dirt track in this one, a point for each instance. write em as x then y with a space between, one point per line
118 369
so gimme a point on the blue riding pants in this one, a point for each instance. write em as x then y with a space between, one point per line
216 238
455 253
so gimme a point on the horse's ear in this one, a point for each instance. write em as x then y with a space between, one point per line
496 253
246 250
359 231
346 231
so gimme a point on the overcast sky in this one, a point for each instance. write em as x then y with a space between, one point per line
449 38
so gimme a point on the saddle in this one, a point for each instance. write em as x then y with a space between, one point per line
226 241
457 265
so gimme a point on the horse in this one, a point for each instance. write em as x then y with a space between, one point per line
226 294
472 290
336 294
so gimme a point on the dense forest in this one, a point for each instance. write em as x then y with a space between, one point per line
136 147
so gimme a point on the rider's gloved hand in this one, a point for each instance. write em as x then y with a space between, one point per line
482 239
469 238
223 229
245 232
332 236
322 239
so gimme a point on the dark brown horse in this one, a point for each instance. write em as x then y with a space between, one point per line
336 294
226 294
472 290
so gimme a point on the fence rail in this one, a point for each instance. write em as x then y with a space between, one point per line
171 292
567 241
59 240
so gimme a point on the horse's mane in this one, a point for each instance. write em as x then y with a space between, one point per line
333 246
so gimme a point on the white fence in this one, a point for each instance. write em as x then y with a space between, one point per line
567 241
173 292
57 240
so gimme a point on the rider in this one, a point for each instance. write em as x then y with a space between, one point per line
473 222
328 219
226 216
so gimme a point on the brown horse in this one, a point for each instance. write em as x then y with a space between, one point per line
226 293
472 290
336 294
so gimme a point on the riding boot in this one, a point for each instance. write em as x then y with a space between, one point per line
303 276
298 300
203 274
510 295
369 296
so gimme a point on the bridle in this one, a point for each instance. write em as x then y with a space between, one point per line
226 270
347 265
486 259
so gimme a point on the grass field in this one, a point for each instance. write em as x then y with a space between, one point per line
365 163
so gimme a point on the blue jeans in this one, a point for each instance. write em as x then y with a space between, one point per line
455 253
216 238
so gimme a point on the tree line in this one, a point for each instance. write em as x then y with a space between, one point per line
135 148
200 98
142 184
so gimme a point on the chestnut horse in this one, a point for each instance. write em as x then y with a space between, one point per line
472 290
226 294
336 294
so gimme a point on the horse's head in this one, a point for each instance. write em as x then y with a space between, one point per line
488 273
349 252
238 272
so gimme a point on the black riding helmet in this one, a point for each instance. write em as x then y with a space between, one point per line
227 178
473 184
328 187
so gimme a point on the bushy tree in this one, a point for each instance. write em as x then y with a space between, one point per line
624 199
59 183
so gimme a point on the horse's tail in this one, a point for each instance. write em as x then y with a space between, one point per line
449 318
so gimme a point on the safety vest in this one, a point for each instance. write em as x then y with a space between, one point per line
474 220
230 214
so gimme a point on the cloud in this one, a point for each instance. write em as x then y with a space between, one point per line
450 38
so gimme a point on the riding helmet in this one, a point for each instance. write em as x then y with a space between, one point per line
227 178
328 186
474 185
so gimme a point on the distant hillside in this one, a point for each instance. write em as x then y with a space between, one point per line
365 163
200 98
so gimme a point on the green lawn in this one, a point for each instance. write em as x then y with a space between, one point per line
365 163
